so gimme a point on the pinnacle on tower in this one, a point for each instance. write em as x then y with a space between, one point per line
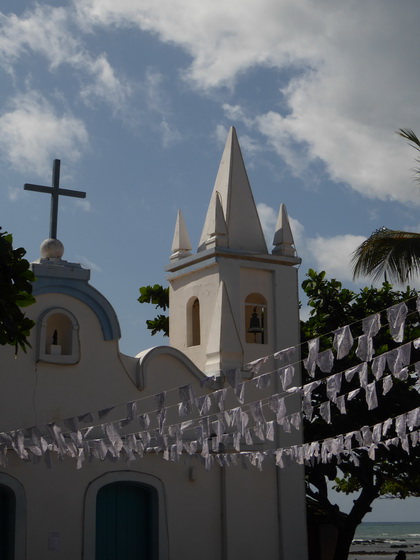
181 245
217 229
283 238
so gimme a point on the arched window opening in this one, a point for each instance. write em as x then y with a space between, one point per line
126 521
59 337
256 319
193 322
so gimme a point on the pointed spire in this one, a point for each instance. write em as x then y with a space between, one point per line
283 238
181 245
224 349
239 210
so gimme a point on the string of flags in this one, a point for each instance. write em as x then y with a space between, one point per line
245 421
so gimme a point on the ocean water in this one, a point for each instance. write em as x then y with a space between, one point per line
378 540
389 531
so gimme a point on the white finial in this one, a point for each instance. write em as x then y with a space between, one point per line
52 249
283 238
181 245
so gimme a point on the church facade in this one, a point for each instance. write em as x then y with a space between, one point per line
175 453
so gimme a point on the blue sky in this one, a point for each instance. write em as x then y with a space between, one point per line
136 97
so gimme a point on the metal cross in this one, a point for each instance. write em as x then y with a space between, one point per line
55 192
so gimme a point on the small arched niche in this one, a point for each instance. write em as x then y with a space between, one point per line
58 337
193 322
256 319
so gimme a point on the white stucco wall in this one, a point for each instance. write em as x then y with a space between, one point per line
226 513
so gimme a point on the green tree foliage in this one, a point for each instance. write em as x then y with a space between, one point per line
15 292
393 473
159 297
393 254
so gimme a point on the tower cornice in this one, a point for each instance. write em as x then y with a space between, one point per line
214 255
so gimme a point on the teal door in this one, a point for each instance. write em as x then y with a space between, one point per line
7 523
126 522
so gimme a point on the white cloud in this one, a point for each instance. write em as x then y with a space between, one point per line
50 32
88 264
237 113
33 134
298 232
158 102
334 254
14 193
152 85
268 219
84 204
354 67
282 141
221 133
355 74
42 30
223 38
168 133
103 84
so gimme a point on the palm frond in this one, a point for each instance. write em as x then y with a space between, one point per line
411 136
391 252
414 141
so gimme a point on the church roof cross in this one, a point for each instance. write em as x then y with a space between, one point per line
55 192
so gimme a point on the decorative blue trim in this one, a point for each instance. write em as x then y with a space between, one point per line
86 293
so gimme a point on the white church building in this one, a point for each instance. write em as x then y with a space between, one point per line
177 453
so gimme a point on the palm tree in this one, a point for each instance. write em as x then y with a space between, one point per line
393 254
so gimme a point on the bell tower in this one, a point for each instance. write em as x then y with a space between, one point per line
232 301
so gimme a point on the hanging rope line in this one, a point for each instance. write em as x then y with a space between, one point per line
222 425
